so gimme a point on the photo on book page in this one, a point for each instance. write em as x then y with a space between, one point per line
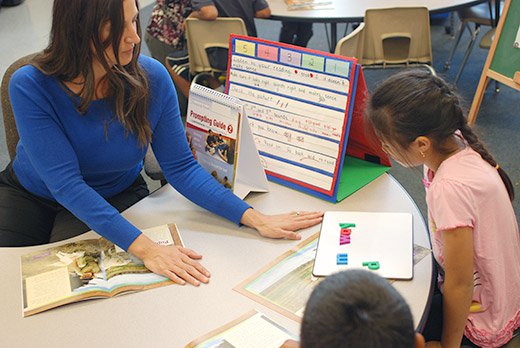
85 269
285 284
252 330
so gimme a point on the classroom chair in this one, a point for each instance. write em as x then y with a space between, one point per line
11 132
208 42
482 14
397 36
352 44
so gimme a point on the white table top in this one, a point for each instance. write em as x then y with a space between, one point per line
344 11
174 315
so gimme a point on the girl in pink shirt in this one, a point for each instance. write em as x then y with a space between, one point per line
474 231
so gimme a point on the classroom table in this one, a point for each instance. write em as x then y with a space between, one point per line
341 11
174 315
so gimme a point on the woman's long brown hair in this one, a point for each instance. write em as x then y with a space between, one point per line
74 44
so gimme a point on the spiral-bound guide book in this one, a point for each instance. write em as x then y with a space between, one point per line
221 140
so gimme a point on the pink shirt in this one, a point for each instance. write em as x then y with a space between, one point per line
467 192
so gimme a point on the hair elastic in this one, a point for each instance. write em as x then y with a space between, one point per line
497 167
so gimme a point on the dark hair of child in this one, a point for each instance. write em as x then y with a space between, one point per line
357 308
416 103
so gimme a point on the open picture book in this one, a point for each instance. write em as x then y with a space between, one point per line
87 269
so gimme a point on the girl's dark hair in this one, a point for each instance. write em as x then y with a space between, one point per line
416 103
74 43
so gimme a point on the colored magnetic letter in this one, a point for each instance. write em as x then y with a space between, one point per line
344 240
346 231
342 259
373 265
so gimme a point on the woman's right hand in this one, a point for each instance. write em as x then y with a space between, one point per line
174 262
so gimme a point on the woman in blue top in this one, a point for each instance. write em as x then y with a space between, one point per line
86 110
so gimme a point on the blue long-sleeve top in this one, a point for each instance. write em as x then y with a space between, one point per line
79 160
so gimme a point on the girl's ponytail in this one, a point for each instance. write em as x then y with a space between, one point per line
476 145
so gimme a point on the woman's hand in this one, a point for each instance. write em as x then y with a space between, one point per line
174 262
433 344
290 344
282 225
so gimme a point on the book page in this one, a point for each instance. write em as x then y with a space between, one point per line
254 330
212 130
47 287
87 268
297 102
160 235
285 284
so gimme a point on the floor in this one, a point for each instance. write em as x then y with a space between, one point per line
24 29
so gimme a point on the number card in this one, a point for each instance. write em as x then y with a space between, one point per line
305 109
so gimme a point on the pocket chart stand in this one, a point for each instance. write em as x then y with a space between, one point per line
221 140
305 109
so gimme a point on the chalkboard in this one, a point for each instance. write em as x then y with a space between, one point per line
503 61
506 60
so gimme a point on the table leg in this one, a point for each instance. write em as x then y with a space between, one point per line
333 36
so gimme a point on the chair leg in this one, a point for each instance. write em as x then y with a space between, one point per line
474 35
327 35
460 31
346 29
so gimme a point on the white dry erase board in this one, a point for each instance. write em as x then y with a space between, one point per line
385 238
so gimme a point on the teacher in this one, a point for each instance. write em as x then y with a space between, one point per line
86 109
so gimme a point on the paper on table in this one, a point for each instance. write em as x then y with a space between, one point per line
253 330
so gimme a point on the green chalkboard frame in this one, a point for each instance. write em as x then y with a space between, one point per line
506 60
503 61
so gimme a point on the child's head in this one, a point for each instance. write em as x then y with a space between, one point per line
415 114
357 308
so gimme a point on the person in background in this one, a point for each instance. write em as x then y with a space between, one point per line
296 33
356 308
474 232
165 38
248 10
86 110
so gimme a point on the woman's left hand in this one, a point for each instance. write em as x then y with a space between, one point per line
282 225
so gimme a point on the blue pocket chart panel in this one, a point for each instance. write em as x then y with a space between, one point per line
378 242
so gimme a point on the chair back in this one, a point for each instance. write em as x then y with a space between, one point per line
352 44
397 36
201 35
11 133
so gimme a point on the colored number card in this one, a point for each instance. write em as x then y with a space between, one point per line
378 242
303 107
